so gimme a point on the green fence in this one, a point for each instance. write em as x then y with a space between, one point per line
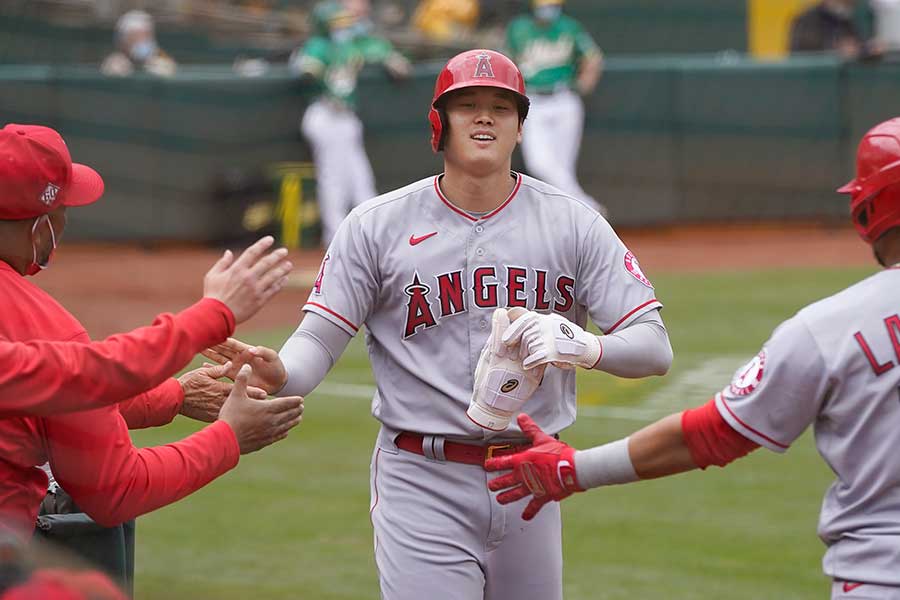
674 139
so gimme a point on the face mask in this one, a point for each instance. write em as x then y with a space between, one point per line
36 267
143 50
548 12
362 28
340 36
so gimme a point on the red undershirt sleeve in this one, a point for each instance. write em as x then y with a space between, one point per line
92 457
46 378
710 439
204 324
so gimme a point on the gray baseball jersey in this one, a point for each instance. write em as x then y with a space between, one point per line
834 365
425 277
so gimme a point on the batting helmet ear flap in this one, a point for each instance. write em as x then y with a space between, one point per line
438 119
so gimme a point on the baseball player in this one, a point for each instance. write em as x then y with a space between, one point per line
343 174
425 269
560 61
832 365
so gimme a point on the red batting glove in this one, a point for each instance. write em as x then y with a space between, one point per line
545 471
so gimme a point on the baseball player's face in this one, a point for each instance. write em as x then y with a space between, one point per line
483 129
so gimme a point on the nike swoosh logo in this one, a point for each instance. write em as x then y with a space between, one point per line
849 587
413 240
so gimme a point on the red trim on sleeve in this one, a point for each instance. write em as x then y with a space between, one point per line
631 312
710 439
751 429
331 312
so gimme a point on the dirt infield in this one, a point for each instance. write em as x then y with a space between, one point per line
113 288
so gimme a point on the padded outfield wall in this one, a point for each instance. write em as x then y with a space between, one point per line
666 140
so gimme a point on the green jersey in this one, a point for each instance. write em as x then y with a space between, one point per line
336 65
548 54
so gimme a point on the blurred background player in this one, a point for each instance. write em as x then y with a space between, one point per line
137 49
560 61
344 176
830 26
446 20
834 365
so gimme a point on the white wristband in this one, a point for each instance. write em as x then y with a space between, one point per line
609 464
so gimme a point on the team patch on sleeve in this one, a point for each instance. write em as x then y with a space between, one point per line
633 267
317 286
748 377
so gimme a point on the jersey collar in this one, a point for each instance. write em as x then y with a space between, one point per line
459 211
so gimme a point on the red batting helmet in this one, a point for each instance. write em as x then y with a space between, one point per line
474 68
874 193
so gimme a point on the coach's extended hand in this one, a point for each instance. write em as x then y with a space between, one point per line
268 370
256 423
545 471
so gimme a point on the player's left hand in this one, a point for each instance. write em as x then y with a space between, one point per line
545 471
268 370
553 339
204 394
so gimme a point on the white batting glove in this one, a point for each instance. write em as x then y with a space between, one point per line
553 339
502 384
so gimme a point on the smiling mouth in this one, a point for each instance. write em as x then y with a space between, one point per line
483 137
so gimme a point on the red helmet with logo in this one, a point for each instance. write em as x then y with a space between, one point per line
875 193
474 68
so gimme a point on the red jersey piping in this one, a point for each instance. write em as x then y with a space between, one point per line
331 312
512 194
631 312
750 429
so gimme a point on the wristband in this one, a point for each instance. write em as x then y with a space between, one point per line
609 464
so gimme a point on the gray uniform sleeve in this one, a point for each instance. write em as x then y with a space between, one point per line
610 281
347 285
772 399
639 350
310 353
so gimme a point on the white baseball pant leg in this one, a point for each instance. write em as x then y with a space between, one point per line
344 176
441 535
552 139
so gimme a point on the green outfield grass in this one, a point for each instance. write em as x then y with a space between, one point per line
292 521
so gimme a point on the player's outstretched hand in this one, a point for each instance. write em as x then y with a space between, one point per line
268 370
546 471
553 339
245 284
258 423
204 394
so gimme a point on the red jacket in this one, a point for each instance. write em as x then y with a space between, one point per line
90 452
51 378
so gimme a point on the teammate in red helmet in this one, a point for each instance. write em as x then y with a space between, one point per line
430 270
833 365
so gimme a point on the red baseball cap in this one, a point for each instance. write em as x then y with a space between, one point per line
37 174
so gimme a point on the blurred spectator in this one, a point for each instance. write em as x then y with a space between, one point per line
887 23
344 176
559 61
137 49
829 26
445 20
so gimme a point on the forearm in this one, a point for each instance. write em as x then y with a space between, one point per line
639 350
693 439
655 451
52 378
155 407
309 354
118 482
